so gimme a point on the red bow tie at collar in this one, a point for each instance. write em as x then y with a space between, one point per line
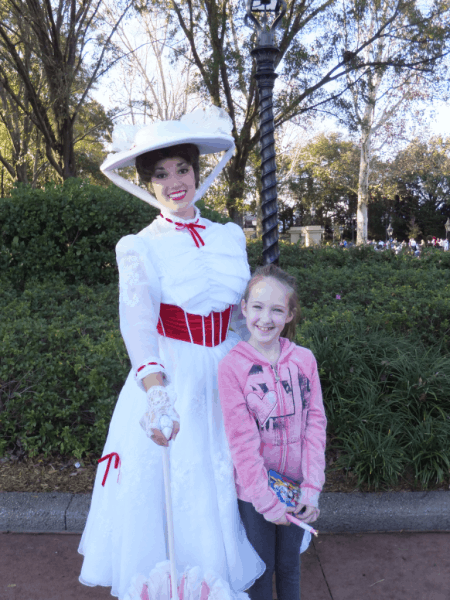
191 227
109 458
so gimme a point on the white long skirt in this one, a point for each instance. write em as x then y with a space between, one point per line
125 533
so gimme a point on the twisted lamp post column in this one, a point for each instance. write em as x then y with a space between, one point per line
265 54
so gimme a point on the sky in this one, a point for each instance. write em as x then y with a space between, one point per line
441 124
436 124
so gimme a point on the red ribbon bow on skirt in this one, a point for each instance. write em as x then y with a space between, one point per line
109 458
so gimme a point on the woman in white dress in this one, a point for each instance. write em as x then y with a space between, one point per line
179 279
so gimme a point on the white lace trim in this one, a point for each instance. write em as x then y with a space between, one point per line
129 278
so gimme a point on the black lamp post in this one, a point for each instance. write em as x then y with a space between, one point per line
265 54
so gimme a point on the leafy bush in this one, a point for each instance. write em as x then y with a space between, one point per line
382 350
211 214
62 366
386 400
69 230
398 294
63 361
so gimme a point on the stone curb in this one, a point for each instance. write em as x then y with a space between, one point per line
384 511
340 512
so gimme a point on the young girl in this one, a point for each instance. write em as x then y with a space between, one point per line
274 419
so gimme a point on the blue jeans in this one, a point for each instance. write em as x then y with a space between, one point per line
279 548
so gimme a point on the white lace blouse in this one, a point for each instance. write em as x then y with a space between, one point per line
163 265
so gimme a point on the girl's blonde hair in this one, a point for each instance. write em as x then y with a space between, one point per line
289 283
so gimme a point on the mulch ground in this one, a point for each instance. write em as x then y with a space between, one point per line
60 474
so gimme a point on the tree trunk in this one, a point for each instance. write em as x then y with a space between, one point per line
236 215
364 166
68 153
21 171
363 188
236 177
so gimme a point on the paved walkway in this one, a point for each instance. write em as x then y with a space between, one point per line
357 566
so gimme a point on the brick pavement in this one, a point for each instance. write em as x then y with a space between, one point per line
359 566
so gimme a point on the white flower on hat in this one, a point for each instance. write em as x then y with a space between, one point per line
212 120
123 137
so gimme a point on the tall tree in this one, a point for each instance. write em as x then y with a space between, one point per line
16 149
313 62
21 150
324 183
402 73
73 41
420 178
18 129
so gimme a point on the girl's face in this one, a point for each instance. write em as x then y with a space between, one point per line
267 312
174 186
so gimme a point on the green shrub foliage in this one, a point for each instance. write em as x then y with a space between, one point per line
377 323
386 400
62 365
68 230
400 294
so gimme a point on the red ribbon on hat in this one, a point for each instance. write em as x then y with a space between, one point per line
191 227
109 457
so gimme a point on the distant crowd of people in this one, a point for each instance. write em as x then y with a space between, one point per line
397 246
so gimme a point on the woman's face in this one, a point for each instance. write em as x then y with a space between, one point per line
173 183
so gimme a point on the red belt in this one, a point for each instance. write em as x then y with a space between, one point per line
209 331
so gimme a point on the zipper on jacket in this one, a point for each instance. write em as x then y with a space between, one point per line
277 378
283 409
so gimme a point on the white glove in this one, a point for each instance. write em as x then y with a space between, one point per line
161 413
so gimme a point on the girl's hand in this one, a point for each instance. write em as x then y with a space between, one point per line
159 438
283 520
309 514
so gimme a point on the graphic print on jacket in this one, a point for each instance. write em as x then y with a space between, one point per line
278 407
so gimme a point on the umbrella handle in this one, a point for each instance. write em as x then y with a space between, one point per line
171 540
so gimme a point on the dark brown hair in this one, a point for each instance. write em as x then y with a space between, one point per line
289 283
146 163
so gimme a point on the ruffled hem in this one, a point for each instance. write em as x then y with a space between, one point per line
192 585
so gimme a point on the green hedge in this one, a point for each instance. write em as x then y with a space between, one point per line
386 399
378 324
62 360
70 230
63 364
382 350
399 294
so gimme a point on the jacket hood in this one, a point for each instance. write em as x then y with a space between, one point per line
246 350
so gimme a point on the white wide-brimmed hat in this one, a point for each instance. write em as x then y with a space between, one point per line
209 130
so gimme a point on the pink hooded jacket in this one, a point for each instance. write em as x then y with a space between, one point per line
274 419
